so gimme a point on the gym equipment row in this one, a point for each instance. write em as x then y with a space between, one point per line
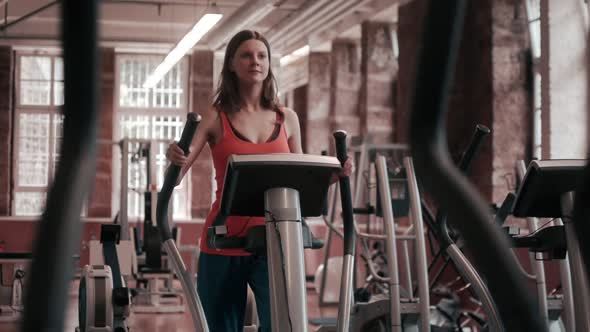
467 212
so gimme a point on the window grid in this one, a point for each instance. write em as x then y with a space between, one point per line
39 84
156 115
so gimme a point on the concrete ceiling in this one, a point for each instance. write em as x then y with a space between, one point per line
159 24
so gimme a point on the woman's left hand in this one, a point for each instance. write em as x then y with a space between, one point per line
347 168
345 171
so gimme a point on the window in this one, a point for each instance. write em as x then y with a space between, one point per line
38 118
156 115
534 21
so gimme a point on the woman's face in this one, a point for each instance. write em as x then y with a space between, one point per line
250 63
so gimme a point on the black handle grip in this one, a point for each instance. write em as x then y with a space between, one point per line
469 154
505 209
480 133
190 128
340 140
345 196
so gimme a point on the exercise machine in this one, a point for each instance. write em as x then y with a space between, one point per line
257 185
103 296
11 306
154 279
547 191
467 211
263 189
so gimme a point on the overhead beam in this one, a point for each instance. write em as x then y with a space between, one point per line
309 9
325 22
28 15
355 18
247 15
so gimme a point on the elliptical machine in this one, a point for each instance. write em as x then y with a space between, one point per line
263 189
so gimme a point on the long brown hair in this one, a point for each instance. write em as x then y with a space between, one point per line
227 96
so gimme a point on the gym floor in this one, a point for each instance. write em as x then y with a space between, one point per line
169 322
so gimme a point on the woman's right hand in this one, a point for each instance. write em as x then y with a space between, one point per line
176 155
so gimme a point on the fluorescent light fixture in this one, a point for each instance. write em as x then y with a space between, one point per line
184 45
298 53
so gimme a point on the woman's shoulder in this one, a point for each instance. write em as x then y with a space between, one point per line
210 119
211 113
289 114
291 121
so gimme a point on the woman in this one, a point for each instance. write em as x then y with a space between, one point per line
245 118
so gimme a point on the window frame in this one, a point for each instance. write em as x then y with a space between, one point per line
537 55
51 110
151 112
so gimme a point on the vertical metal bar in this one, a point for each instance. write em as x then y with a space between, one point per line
408 268
328 245
346 298
536 265
565 275
360 179
390 244
285 260
124 191
419 245
580 284
186 279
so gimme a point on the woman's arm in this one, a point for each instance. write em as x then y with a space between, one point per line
293 130
204 130
294 140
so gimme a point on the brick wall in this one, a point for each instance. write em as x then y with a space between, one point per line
345 86
512 108
100 199
378 70
490 88
318 104
471 101
201 80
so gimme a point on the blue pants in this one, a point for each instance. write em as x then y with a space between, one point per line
222 286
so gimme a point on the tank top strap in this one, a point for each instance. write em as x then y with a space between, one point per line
281 122
280 116
225 123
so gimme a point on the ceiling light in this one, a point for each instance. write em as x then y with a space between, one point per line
184 45
298 53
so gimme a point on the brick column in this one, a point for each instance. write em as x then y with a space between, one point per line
471 101
490 88
6 110
345 86
300 107
99 204
318 104
378 70
512 104
201 80
409 32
